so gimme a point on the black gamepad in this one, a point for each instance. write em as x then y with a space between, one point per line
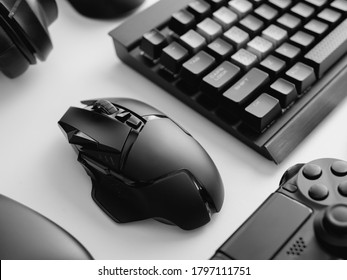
306 218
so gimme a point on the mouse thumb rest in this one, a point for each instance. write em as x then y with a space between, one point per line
175 199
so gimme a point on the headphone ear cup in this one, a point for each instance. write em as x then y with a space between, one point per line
12 61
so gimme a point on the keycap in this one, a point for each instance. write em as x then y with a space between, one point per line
275 34
220 49
152 44
302 10
225 17
251 24
200 9
216 3
173 56
209 29
288 52
256 3
266 13
241 7
302 40
193 41
245 89
340 5
317 3
329 16
236 36
284 91
316 27
261 112
302 76
281 4
328 51
273 65
182 21
220 78
289 22
260 47
245 59
196 67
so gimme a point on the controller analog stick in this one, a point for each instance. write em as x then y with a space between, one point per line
331 229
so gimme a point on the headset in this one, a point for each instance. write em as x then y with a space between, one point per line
24 35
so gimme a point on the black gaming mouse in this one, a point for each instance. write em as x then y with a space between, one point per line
27 235
142 164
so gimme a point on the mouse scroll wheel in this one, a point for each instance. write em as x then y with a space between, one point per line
104 106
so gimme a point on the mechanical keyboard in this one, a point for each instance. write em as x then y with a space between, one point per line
268 72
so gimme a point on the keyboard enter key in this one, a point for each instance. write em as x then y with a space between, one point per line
247 88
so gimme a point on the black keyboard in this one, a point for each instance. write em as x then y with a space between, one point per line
268 72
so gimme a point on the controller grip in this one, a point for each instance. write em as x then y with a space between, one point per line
263 234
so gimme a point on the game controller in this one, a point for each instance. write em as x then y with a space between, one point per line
306 218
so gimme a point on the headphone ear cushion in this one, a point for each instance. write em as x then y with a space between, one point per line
12 61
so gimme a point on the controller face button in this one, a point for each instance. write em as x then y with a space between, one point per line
335 218
312 171
339 168
318 192
342 188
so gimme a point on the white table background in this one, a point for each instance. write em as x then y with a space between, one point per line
40 169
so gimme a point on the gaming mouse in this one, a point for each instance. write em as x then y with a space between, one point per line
142 164
104 8
27 235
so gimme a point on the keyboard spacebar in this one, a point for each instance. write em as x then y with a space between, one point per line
327 52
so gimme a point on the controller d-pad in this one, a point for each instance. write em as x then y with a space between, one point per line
312 171
318 192
339 168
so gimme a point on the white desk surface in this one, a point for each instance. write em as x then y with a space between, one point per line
40 169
